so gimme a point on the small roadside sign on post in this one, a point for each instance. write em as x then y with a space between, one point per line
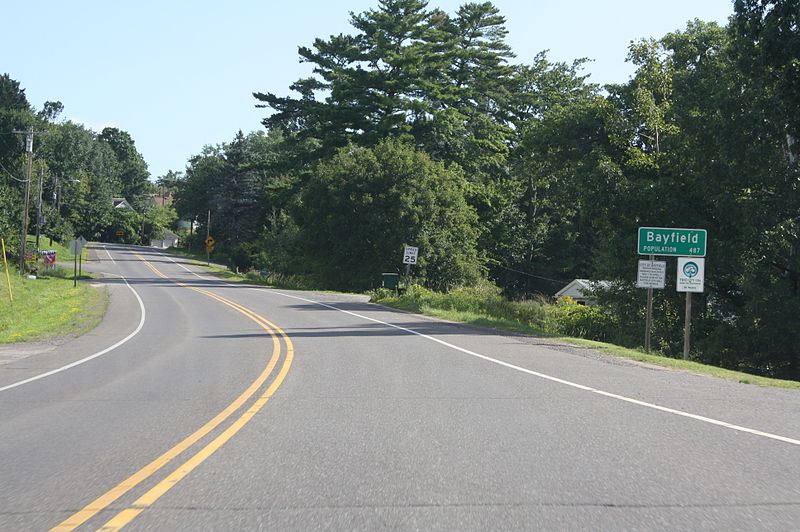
410 255
652 274
691 279
691 274
210 241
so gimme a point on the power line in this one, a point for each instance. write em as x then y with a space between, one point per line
531 275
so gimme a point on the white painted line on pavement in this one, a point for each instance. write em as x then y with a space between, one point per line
98 354
560 381
610 395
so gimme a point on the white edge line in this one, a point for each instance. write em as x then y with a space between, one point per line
561 381
610 395
98 354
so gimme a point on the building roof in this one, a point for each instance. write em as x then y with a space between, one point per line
578 289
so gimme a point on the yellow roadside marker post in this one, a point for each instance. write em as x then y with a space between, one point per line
5 265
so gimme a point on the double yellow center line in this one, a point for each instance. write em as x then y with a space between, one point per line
148 499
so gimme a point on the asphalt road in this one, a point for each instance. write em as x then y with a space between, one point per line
227 407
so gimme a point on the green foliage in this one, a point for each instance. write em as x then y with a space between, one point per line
131 167
581 321
484 299
361 207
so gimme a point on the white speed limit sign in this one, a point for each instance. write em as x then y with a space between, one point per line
410 255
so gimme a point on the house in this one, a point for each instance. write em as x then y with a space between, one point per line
165 239
121 203
580 290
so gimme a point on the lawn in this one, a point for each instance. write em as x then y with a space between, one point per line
49 305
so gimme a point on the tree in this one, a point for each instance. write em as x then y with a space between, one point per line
15 114
81 180
132 172
766 43
364 204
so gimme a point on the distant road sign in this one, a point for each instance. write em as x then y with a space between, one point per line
670 241
75 247
120 233
210 241
410 255
209 249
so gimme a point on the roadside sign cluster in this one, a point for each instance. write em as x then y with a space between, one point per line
683 243
689 245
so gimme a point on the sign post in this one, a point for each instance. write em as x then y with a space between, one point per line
652 274
209 248
76 249
691 277
410 254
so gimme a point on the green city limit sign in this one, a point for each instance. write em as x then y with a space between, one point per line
669 241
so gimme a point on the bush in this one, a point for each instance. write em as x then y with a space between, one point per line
572 319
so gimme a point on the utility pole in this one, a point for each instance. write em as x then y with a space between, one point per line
39 208
26 205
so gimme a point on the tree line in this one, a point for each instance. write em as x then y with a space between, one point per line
77 173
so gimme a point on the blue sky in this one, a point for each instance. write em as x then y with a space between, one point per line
180 75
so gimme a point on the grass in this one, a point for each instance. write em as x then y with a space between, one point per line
49 305
438 307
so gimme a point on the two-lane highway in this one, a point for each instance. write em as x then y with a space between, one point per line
243 408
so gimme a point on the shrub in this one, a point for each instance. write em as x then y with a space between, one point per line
572 319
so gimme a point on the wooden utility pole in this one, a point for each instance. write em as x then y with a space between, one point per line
27 200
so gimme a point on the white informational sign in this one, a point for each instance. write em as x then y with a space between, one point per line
691 274
76 246
652 274
410 255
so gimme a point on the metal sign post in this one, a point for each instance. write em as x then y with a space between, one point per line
691 278
410 254
209 248
76 249
652 274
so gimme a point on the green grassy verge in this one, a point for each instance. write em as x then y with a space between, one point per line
48 306
438 307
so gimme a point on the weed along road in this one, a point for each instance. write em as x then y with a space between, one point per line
204 405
